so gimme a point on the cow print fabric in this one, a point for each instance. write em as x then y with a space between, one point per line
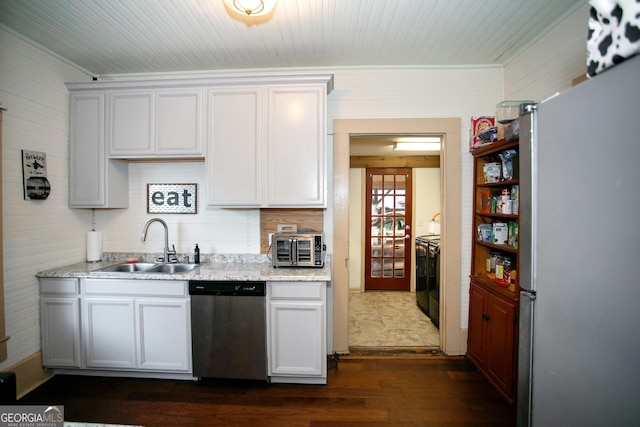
614 33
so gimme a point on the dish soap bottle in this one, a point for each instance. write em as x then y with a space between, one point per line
196 255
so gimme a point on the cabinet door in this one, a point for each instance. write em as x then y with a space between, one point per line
109 332
87 158
178 123
60 320
94 181
501 323
476 342
164 330
297 341
130 130
296 153
233 161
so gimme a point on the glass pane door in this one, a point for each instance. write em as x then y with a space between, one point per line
388 245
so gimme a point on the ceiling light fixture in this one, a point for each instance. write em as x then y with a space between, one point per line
418 143
251 7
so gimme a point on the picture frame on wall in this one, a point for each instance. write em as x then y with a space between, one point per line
172 198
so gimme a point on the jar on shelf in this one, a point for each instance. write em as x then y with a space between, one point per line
491 265
503 270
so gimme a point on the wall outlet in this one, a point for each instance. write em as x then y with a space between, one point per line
270 238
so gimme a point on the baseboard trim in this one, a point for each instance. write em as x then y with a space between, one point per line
29 374
393 352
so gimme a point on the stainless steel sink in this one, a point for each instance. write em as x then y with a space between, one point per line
172 268
129 267
148 267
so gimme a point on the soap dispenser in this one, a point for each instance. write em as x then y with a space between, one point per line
196 255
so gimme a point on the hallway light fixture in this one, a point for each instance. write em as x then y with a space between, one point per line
418 143
250 7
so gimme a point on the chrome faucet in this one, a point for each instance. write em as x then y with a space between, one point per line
167 252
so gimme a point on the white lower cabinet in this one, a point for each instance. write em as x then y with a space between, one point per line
137 324
297 332
60 323
109 332
137 333
121 325
164 334
145 326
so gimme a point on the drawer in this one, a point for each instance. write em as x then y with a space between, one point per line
297 290
67 286
129 287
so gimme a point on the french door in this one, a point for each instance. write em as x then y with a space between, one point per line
388 229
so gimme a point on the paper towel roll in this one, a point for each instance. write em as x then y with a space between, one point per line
94 246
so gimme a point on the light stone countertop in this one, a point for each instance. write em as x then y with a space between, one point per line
237 267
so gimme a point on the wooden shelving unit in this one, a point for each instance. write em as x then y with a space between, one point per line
493 308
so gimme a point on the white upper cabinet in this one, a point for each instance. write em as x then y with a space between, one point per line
267 146
234 153
95 181
296 146
263 137
155 123
179 122
130 119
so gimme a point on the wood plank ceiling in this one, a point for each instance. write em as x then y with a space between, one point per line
120 37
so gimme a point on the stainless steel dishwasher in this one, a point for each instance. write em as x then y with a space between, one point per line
228 329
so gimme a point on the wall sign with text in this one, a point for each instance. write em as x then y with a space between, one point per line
172 198
34 173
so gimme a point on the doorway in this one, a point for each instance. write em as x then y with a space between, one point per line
388 229
452 337
389 322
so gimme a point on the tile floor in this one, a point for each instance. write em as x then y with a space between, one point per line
389 319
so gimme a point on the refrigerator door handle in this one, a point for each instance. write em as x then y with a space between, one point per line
528 294
525 357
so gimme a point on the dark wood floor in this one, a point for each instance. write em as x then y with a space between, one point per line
382 391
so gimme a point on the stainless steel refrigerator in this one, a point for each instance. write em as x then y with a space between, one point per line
579 343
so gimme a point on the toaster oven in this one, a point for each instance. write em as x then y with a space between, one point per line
297 250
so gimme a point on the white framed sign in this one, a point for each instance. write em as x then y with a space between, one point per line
172 198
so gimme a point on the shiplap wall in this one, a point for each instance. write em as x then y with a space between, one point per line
45 234
549 65
215 230
37 234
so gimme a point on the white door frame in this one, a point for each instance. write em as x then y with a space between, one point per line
452 338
